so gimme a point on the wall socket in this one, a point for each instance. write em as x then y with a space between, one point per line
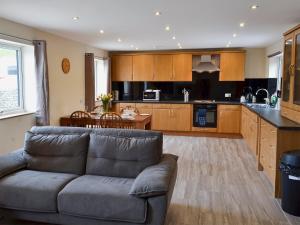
227 95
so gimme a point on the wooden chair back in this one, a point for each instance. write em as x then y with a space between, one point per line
80 119
111 120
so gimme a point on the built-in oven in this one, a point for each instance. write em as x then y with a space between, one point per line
205 115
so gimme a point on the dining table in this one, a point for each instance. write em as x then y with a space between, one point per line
142 122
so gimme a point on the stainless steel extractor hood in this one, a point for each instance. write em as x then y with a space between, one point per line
205 64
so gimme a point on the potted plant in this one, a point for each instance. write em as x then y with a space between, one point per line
105 99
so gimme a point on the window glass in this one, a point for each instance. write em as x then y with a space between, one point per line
11 93
101 77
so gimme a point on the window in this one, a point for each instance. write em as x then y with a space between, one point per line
101 77
11 82
275 68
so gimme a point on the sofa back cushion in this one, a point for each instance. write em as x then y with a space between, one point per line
52 152
122 153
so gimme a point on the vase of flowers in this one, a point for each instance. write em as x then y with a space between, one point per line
105 99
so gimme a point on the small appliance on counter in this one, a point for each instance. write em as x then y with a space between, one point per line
151 95
186 95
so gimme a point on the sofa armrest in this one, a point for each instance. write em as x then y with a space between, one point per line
155 180
12 162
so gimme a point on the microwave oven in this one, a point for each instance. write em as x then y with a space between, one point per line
151 95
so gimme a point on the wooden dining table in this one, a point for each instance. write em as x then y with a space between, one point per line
142 122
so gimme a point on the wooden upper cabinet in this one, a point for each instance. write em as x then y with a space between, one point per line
232 66
143 67
163 67
182 67
121 68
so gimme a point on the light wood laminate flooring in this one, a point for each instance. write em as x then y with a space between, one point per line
218 184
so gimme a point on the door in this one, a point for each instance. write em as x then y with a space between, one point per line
296 70
163 67
232 66
121 68
229 119
182 67
143 67
287 65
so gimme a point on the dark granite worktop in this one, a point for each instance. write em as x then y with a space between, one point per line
269 114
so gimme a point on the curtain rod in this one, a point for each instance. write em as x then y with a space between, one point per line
11 36
274 54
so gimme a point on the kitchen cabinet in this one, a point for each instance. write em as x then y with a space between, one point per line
291 75
121 68
163 68
250 129
144 108
229 119
143 67
232 66
182 67
171 117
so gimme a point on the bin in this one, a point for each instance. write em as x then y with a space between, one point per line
290 182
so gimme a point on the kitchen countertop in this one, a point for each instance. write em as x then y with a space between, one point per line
269 114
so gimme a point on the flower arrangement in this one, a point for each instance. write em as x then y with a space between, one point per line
105 99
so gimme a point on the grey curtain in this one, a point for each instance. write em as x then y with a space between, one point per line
107 64
42 83
89 81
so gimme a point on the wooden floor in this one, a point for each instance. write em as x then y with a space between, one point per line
218 184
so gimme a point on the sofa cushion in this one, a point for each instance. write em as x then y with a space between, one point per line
65 153
59 130
33 191
123 154
98 197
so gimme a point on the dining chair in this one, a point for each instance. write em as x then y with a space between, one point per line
111 120
80 119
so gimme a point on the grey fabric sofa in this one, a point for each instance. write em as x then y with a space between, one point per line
85 176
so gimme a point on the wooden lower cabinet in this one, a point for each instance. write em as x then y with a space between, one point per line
229 119
250 129
171 117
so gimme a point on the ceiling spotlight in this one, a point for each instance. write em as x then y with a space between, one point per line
228 45
174 38
178 44
75 18
119 40
253 7
157 13
101 31
131 46
234 35
242 24
136 48
167 28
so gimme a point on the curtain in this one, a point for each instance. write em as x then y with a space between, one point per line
107 72
89 81
42 83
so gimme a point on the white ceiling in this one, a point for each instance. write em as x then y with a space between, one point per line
195 23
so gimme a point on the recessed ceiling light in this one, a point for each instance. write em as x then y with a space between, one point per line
119 40
253 7
157 13
242 24
101 31
174 38
178 44
234 35
75 18
228 45
167 28
136 48
131 46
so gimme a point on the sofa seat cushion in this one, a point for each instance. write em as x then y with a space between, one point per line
33 191
105 198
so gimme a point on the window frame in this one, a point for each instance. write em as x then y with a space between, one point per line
20 80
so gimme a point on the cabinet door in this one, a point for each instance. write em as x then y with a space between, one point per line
296 69
287 70
229 119
163 67
143 67
244 122
182 67
161 119
121 68
144 108
180 119
232 66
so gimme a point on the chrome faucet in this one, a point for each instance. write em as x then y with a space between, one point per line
267 99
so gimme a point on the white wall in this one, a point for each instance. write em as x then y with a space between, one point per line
255 63
66 90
